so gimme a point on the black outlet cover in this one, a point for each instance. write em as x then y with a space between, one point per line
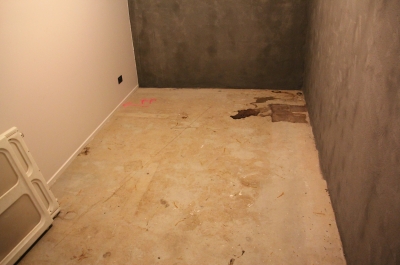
120 79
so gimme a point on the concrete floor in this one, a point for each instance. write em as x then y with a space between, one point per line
174 179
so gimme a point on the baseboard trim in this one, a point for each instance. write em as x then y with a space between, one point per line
53 179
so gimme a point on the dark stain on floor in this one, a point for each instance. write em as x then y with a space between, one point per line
246 113
164 202
264 99
85 151
282 92
278 112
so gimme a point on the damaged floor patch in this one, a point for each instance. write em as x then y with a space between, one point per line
264 99
288 113
278 112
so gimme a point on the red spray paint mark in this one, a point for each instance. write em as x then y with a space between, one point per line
127 104
143 103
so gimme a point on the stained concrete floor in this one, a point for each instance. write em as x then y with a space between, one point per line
174 179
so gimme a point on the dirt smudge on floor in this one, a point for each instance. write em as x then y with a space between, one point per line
251 183
131 166
184 115
85 151
164 202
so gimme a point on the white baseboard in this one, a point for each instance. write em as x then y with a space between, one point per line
53 179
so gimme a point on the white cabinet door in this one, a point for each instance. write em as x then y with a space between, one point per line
24 213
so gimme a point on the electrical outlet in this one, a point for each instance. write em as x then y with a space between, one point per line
120 79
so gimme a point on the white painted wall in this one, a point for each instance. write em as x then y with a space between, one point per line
59 64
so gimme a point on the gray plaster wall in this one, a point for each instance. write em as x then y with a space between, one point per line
219 43
353 91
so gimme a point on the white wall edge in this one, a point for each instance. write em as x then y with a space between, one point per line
53 179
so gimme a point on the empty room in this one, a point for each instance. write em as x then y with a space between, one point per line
200 132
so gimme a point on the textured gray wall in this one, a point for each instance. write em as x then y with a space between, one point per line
219 43
353 92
